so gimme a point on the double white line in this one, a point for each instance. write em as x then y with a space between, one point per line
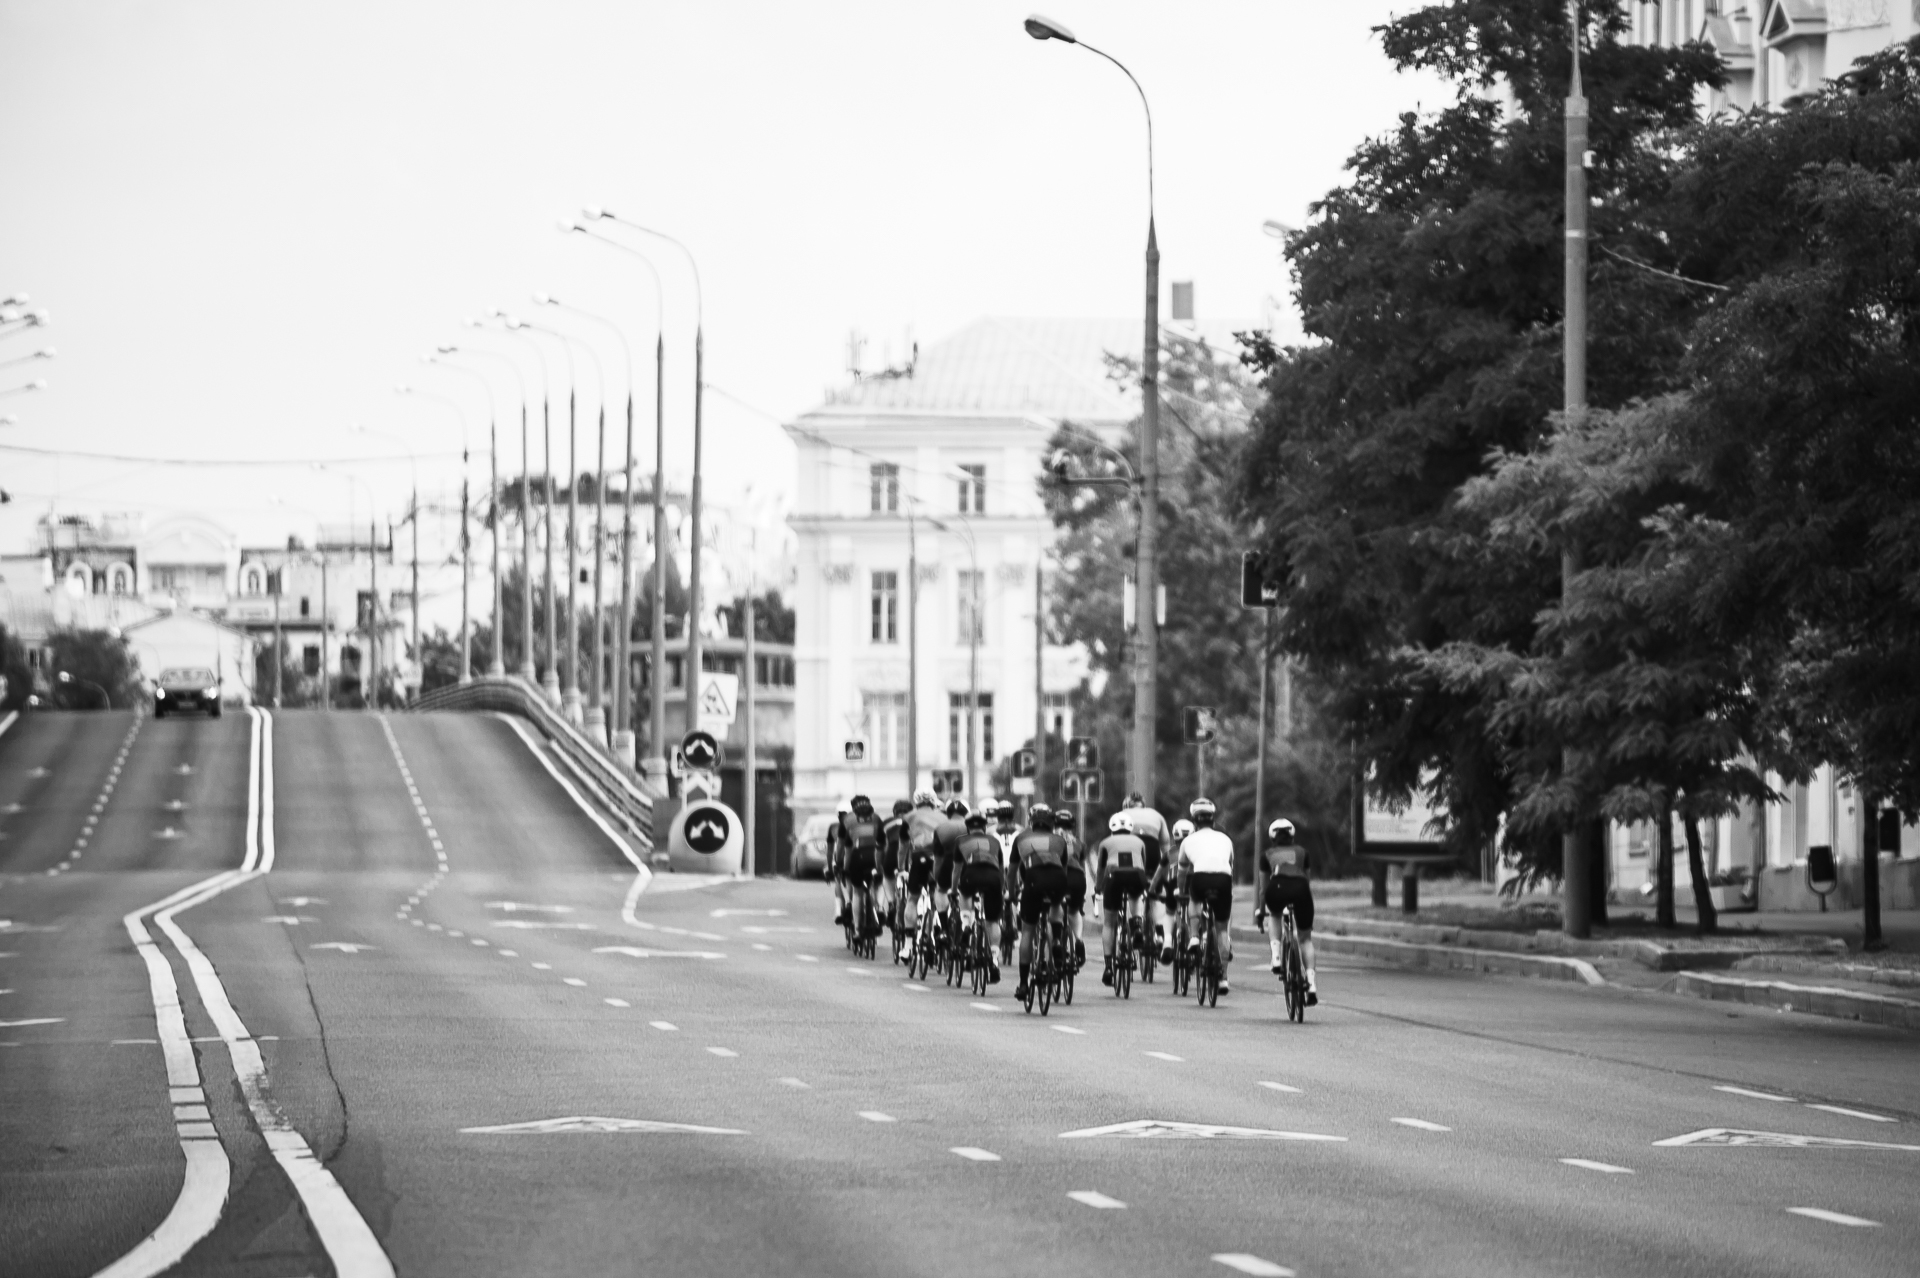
350 1244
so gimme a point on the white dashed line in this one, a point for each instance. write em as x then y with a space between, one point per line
806 958
616 1002
975 1154
1835 1217
667 1026
875 1116
722 1051
1742 1091
983 1007
1067 1029
1590 1165
1277 1087
1248 1264
508 953
791 1082
758 946
1853 1113
538 967
574 981
1422 1124
1093 1198
1164 1056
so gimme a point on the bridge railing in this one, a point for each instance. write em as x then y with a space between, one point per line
619 793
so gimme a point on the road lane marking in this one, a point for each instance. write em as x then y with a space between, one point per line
1251 1264
1772 1140
758 946
1853 1113
616 1002
1163 1129
519 907
626 849
538 967
1094 1198
1067 1029
587 1124
1742 1091
1835 1217
1280 1087
667 1026
574 981
905 985
1590 1165
860 971
479 940
974 1153
345 947
1164 1056
983 1007
807 958
635 951
875 1116
34 1020
792 1082
722 1051
765 914
1422 1125
527 925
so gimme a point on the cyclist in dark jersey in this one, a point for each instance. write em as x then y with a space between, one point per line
863 847
1283 873
837 860
1038 873
1121 870
975 866
890 860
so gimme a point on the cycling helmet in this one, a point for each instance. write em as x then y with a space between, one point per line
845 808
1281 832
1182 828
976 820
901 807
1005 810
956 808
1040 817
1135 800
861 804
1202 811
923 798
1119 824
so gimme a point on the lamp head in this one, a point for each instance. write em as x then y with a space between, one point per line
65 677
593 212
45 353
1043 28
448 349
568 225
544 299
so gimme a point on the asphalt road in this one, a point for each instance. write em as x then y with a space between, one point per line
445 965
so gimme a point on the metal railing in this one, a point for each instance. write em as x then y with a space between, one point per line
620 794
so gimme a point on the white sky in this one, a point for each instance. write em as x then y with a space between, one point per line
249 220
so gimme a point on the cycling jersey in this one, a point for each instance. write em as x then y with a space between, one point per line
1290 860
1207 851
1039 847
862 841
973 847
1149 825
920 825
1121 852
1005 834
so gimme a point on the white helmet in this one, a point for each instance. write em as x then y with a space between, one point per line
924 798
1202 811
845 808
1119 824
1182 828
1281 832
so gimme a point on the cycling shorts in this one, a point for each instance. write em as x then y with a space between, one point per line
1076 889
919 871
889 860
859 866
1041 886
1122 884
1213 890
1285 890
983 880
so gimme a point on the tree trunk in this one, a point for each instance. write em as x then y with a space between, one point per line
1697 867
1663 870
1597 862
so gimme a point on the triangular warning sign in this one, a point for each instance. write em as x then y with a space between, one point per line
1159 1129
1772 1140
597 1126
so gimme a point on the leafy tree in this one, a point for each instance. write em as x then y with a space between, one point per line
773 619
14 668
1430 289
93 657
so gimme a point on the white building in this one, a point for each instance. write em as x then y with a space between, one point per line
937 463
1777 50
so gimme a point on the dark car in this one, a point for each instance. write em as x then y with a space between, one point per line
187 688
810 847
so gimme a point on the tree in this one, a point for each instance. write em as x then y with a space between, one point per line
440 659
1430 288
773 620
94 658
15 670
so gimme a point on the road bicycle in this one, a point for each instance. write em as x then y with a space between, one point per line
956 940
926 940
1211 970
979 961
1121 960
863 925
1049 958
1293 972
1182 976
897 917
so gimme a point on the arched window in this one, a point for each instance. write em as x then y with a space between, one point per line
253 580
79 579
119 579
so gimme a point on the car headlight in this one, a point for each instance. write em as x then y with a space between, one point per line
210 692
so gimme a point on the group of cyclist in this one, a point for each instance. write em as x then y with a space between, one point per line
925 848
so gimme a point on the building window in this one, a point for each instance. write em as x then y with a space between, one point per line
885 477
305 606
972 607
1059 719
252 581
957 728
773 672
886 727
885 600
973 490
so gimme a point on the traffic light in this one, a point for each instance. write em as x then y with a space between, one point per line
1198 725
1083 752
856 751
1258 589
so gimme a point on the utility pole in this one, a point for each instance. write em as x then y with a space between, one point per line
694 666
913 654
279 652
1039 678
1260 752
326 645
419 657
372 668
1576 843
749 778
1147 643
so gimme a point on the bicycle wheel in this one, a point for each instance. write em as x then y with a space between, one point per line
1296 982
1043 977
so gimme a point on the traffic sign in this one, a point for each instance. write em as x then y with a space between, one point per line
705 836
700 750
1080 785
1069 786
1083 752
1199 725
1024 762
719 693
1022 787
1257 589
1090 785
949 783
856 752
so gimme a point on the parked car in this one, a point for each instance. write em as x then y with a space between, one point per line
810 847
186 688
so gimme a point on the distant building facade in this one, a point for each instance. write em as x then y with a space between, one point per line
1777 51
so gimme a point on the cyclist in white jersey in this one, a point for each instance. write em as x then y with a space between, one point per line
1151 829
1206 856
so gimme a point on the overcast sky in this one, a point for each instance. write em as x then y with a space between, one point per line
249 220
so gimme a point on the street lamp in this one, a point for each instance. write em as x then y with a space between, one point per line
694 665
658 630
372 662
36 384
466 564
68 678
596 695
550 681
526 670
495 664
1147 657
46 352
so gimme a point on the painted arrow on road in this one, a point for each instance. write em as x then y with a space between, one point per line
632 951
37 1020
1154 1128
345 947
1772 1140
586 1124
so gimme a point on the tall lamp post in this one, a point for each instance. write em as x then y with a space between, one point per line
1577 848
495 664
466 560
413 517
550 680
658 631
694 666
570 691
1147 642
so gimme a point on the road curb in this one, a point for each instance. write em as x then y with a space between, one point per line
1451 957
1647 953
1818 1000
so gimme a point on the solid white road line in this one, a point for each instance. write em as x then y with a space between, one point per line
875 1116
626 849
1279 1087
1742 1091
1853 1113
1422 1124
1164 1056
1590 1165
1247 1264
1093 1198
8 722
975 1154
1835 1217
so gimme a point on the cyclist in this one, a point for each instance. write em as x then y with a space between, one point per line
1121 871
863 847
1151 829
1206 856
975 866
891 861
1006 832
1283 871
1164 892
947 834
837 860
1076 898
1037 874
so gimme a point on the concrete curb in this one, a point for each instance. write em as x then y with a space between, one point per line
1807 965
1453 958
1818 1000
1648 954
